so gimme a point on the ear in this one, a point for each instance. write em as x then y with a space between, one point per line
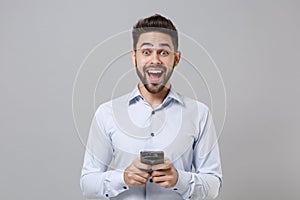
177 58
133 58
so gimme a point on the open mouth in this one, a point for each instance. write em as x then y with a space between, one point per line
155 75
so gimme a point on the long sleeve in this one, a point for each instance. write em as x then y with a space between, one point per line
206 181
96 180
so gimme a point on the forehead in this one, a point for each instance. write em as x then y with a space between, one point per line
155 38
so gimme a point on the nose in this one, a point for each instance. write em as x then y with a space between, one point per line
155 59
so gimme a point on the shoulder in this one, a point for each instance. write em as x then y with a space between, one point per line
191 103
107 108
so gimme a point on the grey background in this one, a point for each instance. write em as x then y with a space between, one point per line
254 43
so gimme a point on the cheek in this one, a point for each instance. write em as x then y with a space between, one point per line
169 62
141 61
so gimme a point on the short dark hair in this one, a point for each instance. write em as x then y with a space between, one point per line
155 23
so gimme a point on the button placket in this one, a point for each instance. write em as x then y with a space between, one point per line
151 123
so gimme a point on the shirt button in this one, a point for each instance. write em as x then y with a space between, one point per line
151 181
106 195
153 112
175 189
124 187
152 134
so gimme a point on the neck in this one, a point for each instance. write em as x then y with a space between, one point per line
154 99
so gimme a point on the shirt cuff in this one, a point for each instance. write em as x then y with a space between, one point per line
183 184
115 184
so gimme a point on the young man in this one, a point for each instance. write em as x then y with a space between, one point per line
152 117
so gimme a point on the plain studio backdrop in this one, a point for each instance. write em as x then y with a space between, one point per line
255 45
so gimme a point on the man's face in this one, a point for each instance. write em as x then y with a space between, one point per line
155 60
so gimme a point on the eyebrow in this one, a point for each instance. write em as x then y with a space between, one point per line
150 44
165 45
146 44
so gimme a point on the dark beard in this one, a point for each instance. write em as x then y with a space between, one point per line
148 85
154 91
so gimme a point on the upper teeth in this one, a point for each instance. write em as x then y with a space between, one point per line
155 71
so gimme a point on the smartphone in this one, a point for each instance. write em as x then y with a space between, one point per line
152 157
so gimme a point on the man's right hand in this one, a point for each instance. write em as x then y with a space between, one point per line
136 173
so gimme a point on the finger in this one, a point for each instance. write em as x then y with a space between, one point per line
138 172
158 173
135 169
164 166
144 175
137 179
159 179
142 178
163 178
142 166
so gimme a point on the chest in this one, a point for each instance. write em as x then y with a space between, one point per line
172 130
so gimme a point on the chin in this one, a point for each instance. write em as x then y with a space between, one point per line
154 90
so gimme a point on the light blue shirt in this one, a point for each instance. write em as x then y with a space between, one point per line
180 126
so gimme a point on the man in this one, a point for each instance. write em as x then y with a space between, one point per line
152 117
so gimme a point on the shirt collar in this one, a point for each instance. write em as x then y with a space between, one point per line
136 95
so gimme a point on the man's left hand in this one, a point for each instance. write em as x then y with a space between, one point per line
165 174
